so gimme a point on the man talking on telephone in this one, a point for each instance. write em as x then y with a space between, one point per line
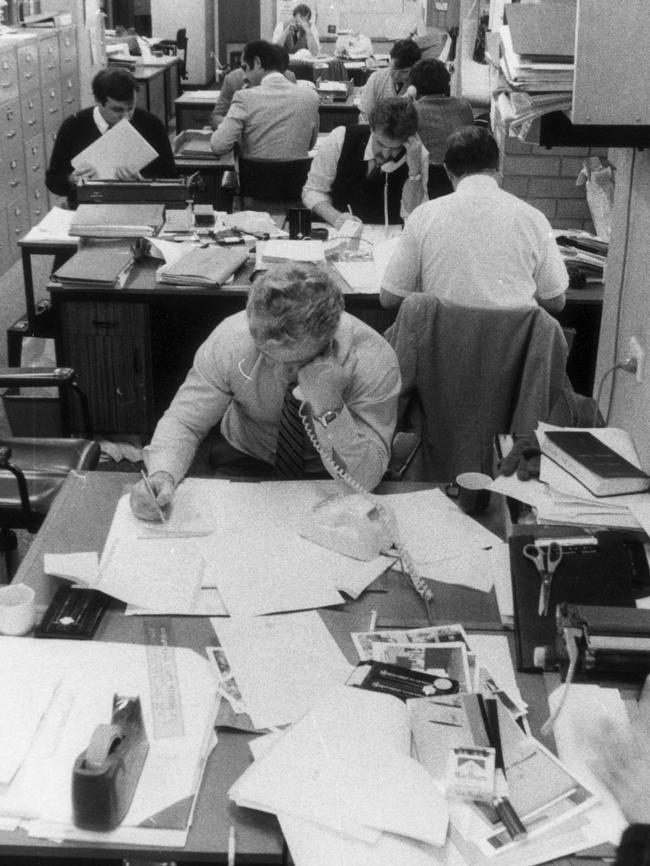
293 341
373 174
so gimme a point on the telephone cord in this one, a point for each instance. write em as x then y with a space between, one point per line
420 583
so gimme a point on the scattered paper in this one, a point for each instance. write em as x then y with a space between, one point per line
282 663
82 568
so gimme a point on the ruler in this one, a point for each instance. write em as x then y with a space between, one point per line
166 705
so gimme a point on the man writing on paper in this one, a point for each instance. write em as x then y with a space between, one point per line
373 174
478 246
272 118
293 333
114 91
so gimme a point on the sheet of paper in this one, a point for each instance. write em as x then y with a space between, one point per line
293 251
90 673
82 568
55 225
434 529
206 602
121 146
281 663
347 766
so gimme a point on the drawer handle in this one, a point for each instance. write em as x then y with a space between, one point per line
36 167
53 110
29 75
7 84
31 122
98 323
14 183
11 134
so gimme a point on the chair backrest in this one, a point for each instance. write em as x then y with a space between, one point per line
273 180
469 373
181 50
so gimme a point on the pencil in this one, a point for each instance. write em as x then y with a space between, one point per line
231 846
149 488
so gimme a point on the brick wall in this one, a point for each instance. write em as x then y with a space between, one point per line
546 178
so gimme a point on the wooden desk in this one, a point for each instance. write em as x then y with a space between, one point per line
132 347
79 521
159 86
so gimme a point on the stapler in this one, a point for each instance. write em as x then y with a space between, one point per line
107 772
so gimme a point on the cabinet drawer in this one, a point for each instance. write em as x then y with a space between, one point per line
68 51
29 75
8 76
52 112
10 126
105 318
70 94
5 252
17 223
32 111
50 64
12 173
35 161
37 201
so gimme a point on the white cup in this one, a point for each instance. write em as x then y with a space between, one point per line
17 609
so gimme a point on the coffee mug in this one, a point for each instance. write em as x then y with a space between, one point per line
17 609
299 222
470 491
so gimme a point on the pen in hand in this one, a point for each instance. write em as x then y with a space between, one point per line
150 491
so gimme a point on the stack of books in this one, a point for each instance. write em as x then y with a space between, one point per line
585 250
118 220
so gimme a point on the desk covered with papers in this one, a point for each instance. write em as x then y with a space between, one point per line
289 666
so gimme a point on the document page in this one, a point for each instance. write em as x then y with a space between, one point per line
121 146
282 664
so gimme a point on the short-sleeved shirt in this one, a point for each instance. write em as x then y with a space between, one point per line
478 246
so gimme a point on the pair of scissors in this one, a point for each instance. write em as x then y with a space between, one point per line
546 561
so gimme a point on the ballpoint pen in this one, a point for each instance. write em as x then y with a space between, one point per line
231 846
150 491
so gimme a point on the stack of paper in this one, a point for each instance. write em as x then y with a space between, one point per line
205 267
117 220
522 74
343 776
102 264
584 249
559 498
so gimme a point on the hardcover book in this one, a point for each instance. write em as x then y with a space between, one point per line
594 464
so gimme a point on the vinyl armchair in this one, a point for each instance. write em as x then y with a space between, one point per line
32 469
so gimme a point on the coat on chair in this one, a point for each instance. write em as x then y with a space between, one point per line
469 373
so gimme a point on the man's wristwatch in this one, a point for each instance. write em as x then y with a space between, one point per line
415 177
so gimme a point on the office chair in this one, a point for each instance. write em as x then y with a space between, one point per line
32 469
271 185
469 373
177 48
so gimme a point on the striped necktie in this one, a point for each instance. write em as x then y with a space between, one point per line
292 439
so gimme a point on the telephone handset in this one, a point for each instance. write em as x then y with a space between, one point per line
360 525
392 165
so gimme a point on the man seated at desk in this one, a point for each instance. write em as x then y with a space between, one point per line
236 80
478 246
393 80
272 118
294 331
114 91
356 165
299 34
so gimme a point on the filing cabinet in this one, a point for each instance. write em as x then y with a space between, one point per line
39 87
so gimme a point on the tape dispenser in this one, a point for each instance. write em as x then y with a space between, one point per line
106 773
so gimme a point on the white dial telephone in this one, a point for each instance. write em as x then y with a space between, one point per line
351 525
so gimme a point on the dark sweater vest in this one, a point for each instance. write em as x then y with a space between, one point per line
365 195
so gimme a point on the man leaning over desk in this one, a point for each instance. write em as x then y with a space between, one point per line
272 118
114 91
478 246
293 332
373 174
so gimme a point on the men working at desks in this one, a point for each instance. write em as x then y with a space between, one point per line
237 80
478 246
293 331
391 81
299 34
114 91
273 118
375 173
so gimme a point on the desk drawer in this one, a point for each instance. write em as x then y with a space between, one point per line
32 113
35 161
70 94
49 59
10 127
104 318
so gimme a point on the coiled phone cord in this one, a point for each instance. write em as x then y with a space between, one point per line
420 583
